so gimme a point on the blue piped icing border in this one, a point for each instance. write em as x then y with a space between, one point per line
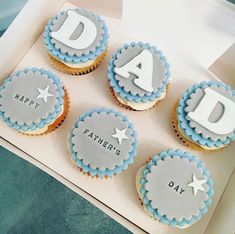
127 95
75 59
147 203
106 172
184 123
52 116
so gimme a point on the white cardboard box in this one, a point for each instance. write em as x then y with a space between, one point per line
191 43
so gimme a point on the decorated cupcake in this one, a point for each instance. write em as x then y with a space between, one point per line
33 101
204 117
76 41
175 188
139 76
102 143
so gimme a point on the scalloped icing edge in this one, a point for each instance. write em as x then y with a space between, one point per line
51 117
127 95
107 172
75 59
184 123
147 203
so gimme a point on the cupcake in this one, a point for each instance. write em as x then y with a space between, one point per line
76 41
204 116
175 188
102 143
138 76
33 101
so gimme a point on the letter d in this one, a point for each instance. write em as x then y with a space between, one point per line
226 123
69 26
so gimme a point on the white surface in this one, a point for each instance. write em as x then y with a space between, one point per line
221 219
198 44
224 66
23 32
102 7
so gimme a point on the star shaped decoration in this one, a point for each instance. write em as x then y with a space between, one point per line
196 184
44 94
120 135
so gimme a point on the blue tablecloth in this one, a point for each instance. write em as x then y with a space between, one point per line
33 202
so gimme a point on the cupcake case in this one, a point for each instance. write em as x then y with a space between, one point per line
118 196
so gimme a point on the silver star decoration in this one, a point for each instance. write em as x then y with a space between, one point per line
120 135
196 184
44 94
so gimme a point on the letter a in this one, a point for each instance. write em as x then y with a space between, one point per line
142 67
69 26
226 123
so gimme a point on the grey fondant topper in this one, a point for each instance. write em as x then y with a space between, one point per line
193 102
57 23
102 141
128 84
173 188
28 98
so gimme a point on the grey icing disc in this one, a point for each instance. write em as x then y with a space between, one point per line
165 185
19 102
128 84
57 23
94 144
192 103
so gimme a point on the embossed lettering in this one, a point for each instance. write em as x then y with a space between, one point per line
17 96
90 135
105 144
21 99
100 141
171 184
110 147
117 152
182 190
176 188
26 100
85 131
96 137
31 102
36 105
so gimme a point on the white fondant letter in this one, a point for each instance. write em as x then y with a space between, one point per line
142 67
65 32
226 124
